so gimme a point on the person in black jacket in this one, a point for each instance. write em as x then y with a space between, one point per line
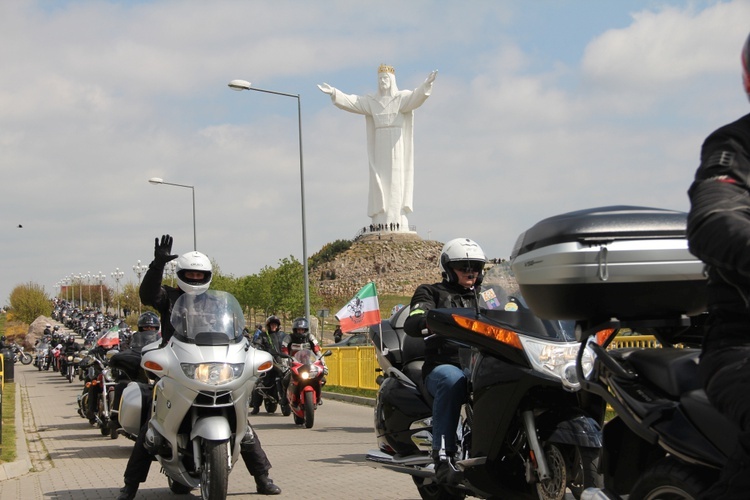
461 263
194 272
719 234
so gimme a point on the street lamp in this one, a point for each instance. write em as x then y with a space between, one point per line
139 269
159 180
240 85
100 278
79 279
117 275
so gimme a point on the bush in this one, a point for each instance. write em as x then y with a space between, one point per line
29 301
329 252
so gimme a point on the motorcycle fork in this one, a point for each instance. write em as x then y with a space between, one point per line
536 452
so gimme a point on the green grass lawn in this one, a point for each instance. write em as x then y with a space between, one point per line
8 446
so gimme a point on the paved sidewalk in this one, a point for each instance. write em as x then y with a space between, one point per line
72 460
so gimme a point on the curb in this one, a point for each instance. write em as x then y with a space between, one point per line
22 465
360 400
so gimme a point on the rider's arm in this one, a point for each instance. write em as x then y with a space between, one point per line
421 302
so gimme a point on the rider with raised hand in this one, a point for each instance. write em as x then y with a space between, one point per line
461 263
194 273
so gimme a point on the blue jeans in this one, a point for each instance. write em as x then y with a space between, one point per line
447 384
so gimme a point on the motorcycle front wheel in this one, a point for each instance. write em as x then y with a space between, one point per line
270 406
215 473
26 358
583 469
309 410
671 479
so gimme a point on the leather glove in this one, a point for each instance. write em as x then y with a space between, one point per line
163 251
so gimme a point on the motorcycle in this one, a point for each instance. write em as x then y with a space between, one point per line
42 356
268 389
306 379
525 431
100 385
205 374
666 437
18 354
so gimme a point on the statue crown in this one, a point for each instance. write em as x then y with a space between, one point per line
384 68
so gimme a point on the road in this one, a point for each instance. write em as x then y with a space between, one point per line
72 460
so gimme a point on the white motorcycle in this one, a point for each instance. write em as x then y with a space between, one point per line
205 375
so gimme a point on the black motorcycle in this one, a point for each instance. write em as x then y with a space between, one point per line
525 431
667 439
268 389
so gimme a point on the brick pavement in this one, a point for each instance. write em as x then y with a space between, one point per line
72 460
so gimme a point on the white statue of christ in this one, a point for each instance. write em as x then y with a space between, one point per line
390 144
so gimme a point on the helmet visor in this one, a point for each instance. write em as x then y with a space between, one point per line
467 266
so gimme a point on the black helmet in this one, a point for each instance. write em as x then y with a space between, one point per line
272 319
148 319
300 323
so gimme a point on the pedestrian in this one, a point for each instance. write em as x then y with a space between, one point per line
337 334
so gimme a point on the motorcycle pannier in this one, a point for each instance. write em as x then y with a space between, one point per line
610 262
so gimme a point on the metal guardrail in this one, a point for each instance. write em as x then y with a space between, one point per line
354 367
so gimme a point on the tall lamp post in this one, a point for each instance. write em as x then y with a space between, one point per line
100 278
117 276
139 269
79 279
240 85
88 286
159 180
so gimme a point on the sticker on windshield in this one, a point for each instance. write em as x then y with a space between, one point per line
490 298
511 307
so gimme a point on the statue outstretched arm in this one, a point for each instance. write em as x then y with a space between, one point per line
431 77
326 89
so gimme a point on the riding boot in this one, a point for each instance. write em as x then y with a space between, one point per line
128 491
446 471
265 485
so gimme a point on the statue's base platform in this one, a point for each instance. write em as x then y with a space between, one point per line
389 236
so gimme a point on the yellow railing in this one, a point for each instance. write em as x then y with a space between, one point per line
354 367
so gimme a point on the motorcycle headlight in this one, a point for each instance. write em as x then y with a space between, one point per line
108 375
558 360
311 373
70 358
213 373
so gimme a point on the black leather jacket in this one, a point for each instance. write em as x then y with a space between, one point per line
719 224
160 297
438 350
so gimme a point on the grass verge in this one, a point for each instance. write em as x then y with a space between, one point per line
8 446
367 393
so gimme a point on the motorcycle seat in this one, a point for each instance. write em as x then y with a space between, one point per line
673 371
721 431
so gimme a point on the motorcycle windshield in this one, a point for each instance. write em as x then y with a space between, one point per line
500 300
211 318
305 356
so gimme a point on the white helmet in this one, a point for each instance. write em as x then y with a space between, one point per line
193 261
461 253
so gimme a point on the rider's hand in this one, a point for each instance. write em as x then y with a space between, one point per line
163 251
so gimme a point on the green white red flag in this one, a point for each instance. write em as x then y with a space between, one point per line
362 310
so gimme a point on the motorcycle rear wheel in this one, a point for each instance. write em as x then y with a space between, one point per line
215 473
434 491
672 480
309 410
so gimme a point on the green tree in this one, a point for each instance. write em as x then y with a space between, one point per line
30 301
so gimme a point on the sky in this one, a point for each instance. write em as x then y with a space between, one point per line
539 108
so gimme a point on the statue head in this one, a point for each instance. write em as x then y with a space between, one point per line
386 80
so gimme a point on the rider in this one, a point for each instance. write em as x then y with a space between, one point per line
194 273
47 329
719 234
294 342
70 347
268 340
461 263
